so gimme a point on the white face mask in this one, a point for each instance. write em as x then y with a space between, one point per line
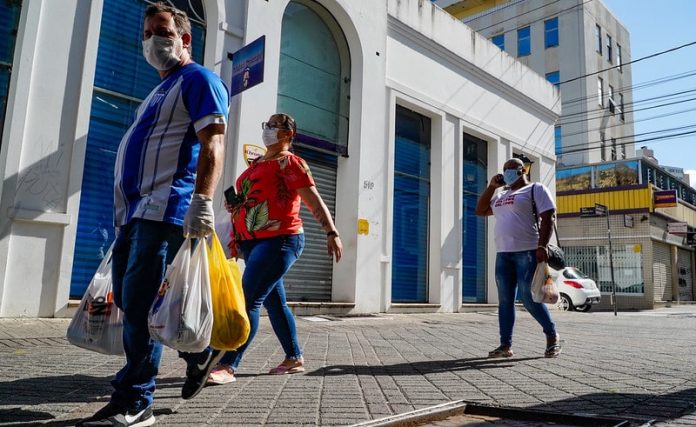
269 137
162 53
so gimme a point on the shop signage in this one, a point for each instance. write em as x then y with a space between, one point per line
247 66
600 210
665 198
588 212
679 228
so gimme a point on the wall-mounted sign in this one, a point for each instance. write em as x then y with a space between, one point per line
679 228
628 221
252 152
247 66
665 198
363 226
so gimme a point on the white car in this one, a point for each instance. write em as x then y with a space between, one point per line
577 291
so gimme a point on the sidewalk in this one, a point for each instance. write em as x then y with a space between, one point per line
640 365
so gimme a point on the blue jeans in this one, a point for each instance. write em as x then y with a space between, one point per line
266 262
513 270
141 252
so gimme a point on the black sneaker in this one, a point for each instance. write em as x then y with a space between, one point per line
113 415
197 375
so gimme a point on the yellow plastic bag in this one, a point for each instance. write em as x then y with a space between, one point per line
230 320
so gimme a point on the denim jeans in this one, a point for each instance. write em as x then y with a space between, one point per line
266 262
141 252
513 271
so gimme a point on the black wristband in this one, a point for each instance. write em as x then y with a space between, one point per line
332 233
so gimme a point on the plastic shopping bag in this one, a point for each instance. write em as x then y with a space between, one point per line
543 287
230 320
181 316
98 323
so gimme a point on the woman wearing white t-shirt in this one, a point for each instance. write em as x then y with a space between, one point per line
520 246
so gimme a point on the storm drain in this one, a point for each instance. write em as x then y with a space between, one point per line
461 413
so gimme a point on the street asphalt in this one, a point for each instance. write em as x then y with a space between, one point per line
638 365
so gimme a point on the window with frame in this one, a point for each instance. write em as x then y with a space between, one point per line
609 52
613 148
551 32
554 77
618 57
557 140
621 108
598 39
611 99
600 91
499 41
603 148
524 42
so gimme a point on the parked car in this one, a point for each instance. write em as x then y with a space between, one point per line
577 291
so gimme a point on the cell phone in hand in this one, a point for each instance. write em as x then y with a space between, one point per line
499 179
231 195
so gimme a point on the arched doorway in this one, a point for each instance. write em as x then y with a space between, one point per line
122 80
313 87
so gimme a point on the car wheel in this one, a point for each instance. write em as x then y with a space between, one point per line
565 304
584 308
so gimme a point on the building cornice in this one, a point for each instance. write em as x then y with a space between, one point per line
397 26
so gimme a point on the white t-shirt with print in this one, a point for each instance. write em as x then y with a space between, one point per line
514 217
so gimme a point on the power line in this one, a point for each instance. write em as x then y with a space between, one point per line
631 62
653 139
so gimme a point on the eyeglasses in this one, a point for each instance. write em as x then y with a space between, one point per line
267 125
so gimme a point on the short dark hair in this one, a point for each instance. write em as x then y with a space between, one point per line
181 20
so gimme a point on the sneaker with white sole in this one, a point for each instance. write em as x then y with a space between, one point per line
197 374
112 415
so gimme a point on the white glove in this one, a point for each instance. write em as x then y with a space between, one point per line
200 219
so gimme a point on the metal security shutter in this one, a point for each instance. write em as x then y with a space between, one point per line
310 279
122 79
662 272
686 275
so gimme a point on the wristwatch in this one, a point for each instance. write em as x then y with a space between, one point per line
332 233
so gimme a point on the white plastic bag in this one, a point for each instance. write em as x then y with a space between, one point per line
181 317
98 323
543 287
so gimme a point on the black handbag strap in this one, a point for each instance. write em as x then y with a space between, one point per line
536 216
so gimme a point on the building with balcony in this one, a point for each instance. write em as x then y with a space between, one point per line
651 265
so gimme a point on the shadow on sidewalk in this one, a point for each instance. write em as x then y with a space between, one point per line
424 367
645 406
38 391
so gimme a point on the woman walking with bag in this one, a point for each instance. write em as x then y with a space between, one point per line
267 230
520 244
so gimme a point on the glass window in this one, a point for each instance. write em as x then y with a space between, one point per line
613 148
122 79
554 77
618 56
611 99
475 180
604 149
621 107
499 41
609 58
524 43
551 32
574 179
600 91
9 20
598 39
557 139
411 207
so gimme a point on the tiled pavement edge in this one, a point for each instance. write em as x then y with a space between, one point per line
636 364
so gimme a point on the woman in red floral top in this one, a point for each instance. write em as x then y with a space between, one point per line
268 232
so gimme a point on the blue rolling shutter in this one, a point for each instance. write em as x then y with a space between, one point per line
122 79
411 207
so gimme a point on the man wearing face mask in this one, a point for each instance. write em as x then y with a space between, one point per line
520 245
267 231
167 167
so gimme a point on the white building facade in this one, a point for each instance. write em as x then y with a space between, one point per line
579 46
403 115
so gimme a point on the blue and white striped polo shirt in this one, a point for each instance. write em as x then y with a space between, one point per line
155 167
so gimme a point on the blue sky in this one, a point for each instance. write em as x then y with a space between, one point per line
656 26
